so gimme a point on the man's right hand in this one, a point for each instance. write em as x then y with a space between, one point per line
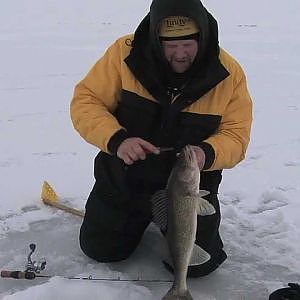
134 148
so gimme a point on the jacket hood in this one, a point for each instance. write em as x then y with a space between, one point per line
146 53
193 9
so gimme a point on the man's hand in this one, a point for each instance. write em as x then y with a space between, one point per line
133 149
200 155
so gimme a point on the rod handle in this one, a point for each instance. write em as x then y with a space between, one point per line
17 274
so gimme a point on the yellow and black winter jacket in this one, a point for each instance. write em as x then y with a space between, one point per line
125 95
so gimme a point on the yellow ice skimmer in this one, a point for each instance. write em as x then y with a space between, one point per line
50 197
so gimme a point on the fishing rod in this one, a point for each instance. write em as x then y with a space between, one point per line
33 269
32 275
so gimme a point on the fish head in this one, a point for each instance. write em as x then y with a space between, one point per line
186 170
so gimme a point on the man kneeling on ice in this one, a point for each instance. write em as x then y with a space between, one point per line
167 86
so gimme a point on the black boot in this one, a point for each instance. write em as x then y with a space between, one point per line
290 293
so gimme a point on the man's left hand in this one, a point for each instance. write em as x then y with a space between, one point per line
200 155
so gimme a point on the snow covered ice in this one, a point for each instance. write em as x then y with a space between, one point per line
46 48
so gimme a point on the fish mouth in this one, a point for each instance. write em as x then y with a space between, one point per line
189 154
186 168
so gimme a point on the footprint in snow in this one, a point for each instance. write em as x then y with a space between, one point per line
270 200
273 227
9 219
295 163
232 198
10 162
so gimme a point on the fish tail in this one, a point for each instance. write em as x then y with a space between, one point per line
174 294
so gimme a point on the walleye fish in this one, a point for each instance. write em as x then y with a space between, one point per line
175 211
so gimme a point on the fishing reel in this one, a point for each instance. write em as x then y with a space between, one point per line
33 266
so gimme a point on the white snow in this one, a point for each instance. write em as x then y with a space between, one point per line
46 48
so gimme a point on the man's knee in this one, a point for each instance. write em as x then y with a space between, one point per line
104 253
109 246
110 231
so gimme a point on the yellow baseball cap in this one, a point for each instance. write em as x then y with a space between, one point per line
177 26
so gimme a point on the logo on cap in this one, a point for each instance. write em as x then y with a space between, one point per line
176 26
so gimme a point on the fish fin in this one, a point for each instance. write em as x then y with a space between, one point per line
204 208
199 256
159 209
203 193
